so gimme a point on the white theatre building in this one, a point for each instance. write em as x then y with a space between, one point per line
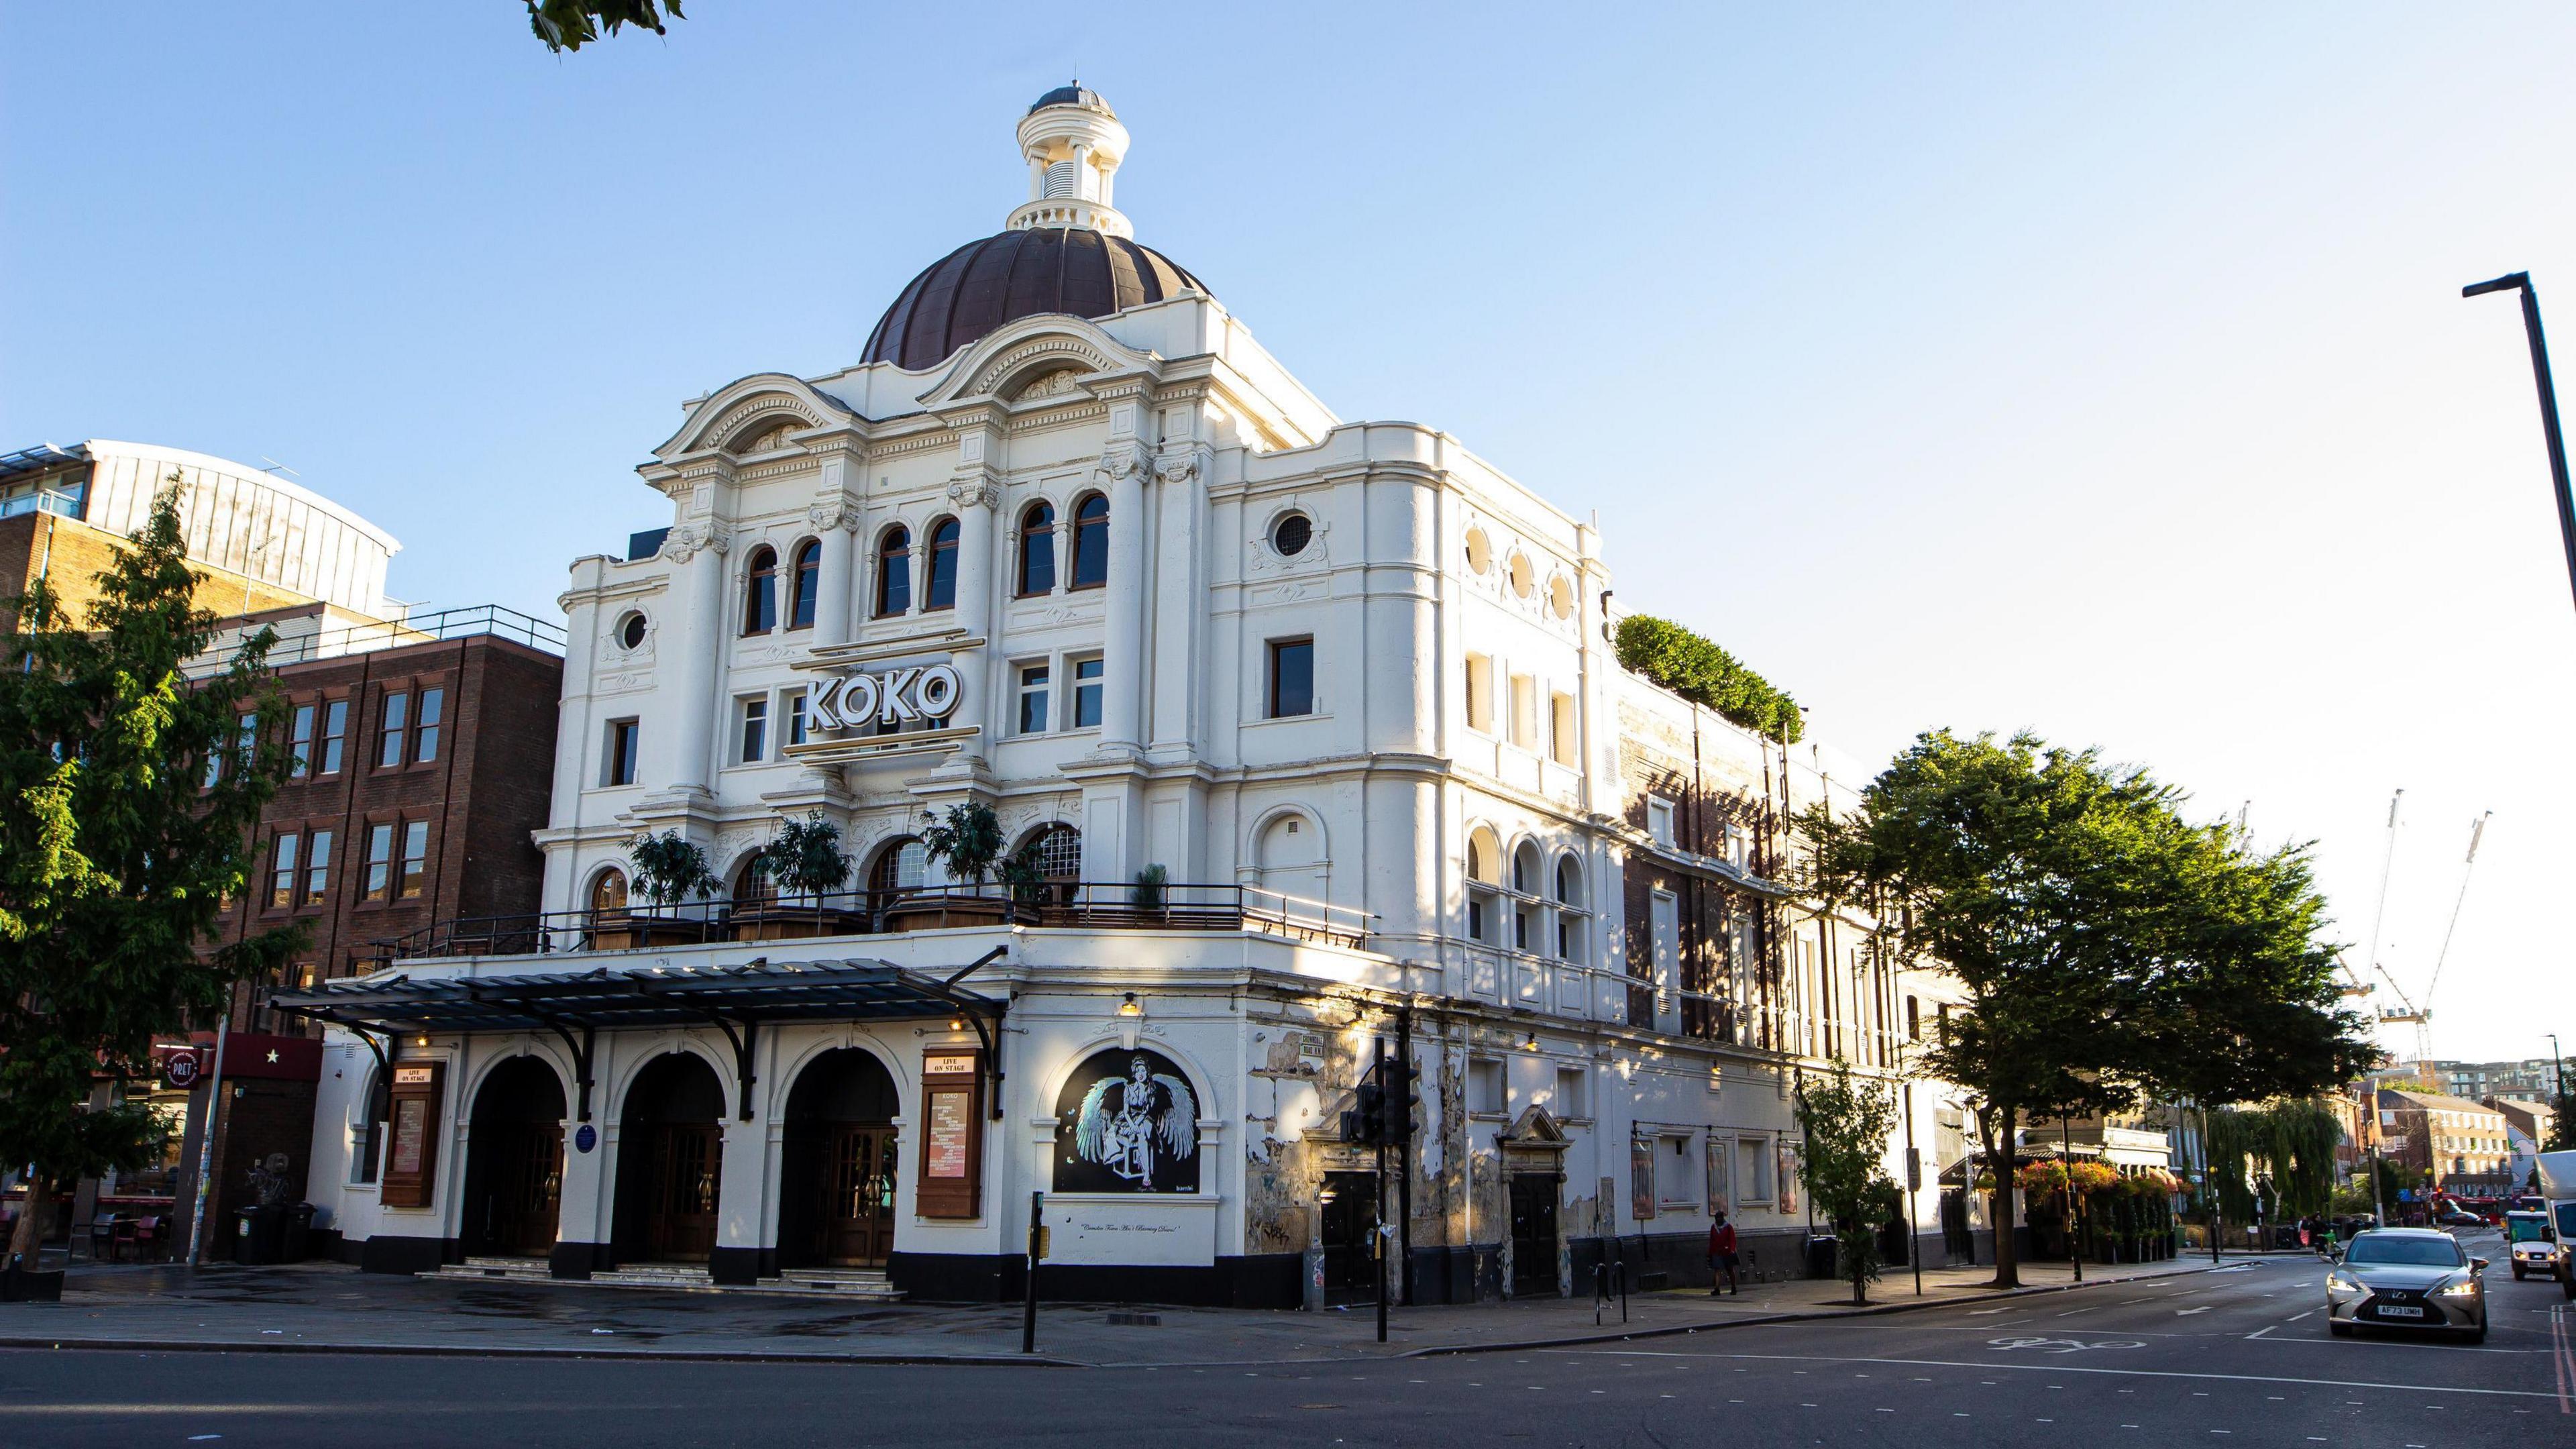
1068 543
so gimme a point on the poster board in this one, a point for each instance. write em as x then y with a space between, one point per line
952 1133
1641 1178
412 1131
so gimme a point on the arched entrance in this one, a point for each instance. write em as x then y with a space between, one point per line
514 1161
670 1162
837 1173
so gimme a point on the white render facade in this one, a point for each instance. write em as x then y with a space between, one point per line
1348 686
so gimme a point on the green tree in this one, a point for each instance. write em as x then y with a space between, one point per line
2011 866
670 868
571 24
968 839
1845 1123
2562 1123
806 860
128 800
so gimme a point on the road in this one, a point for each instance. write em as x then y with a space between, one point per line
2240 1357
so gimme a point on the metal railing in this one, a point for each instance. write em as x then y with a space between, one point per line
1081 904
375 634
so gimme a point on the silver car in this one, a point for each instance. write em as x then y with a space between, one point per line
2407 1278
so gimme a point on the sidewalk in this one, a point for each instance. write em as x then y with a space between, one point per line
329 1308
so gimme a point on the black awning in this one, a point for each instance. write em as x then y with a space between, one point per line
733 999
642 997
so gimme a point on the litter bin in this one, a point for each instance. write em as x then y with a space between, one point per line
257 1234
1820 1256
295 1244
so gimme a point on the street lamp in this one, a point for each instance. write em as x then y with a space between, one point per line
2521 282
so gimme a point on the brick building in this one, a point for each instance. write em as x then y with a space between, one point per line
425 759
2443 1136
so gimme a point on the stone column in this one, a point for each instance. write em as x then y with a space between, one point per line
698 549
1123 650
838 522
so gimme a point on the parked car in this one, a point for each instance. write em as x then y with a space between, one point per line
2412 1278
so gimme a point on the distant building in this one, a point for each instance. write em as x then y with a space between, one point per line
262 542
2527 1124
2476 1081
2442 1136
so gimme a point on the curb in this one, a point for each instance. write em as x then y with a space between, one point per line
1875 1310
645 1355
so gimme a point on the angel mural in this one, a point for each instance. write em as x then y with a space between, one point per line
1132 1124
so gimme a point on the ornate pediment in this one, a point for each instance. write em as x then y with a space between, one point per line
759 413
1535 1130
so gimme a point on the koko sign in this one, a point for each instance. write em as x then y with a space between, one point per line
895 697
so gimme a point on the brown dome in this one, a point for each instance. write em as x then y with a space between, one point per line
982 285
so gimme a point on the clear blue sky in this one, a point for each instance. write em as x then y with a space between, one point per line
2102 373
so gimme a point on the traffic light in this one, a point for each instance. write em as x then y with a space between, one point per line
1365 1124
1400 1103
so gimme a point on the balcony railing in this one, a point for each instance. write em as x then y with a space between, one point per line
375 634
1096 905
43 500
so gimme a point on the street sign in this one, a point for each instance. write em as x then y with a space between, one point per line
1913 1169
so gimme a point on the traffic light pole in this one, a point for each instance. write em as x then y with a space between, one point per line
1399 1102
1378 1237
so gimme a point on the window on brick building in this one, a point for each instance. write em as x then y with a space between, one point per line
380 862
335 734
433 705
299 741
393 726
415 858
1659 820
317 868
281 890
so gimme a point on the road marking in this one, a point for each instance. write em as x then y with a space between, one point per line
2258 1333
2055 1368
2295 1317
2188 1312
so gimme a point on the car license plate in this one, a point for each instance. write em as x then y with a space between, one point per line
2394 1310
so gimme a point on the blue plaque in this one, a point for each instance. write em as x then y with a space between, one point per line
585 1137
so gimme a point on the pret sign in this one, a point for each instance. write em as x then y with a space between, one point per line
894 696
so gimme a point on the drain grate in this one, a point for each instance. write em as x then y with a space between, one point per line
1135 1320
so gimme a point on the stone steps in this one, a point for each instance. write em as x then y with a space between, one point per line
865 1284
676 1277
506 1270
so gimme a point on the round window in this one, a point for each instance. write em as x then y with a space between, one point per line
1291 534
1560 597
1523 577
1480 552
630 631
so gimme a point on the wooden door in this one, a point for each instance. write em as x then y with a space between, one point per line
524 1183
688 1172
1533 1233
854 1222
1348 1218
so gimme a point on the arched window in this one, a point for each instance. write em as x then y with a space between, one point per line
1091 542
939 585
1059 850
1525 868
894 571
1037 549
901 866
753 885
608 892
804 581
1484 873
1569 883
760 599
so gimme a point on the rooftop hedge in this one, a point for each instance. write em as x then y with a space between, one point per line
1704 674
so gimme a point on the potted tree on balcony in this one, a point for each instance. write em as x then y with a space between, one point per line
669 869
967 842
806 861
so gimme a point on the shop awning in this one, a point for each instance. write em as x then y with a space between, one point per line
575 1007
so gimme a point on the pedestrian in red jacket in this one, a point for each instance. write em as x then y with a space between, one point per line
1721 1257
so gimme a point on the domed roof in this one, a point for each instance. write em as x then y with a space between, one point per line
1073 95
983 285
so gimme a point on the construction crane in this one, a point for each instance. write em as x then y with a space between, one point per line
2420 1015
